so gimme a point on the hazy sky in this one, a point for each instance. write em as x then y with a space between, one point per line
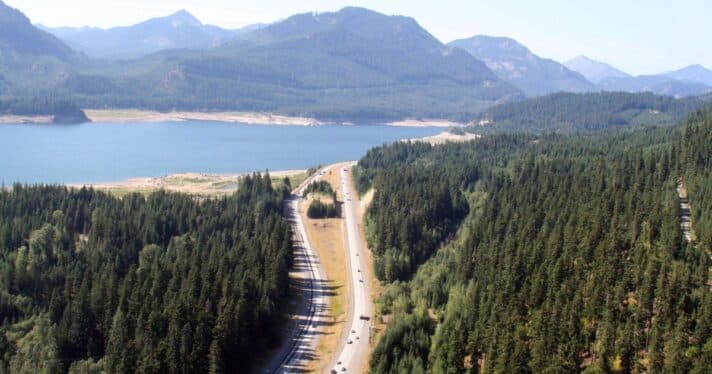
638 36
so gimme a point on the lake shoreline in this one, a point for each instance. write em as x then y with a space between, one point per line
106 116
38 154
190 183
110 116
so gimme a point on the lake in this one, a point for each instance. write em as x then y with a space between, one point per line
90 153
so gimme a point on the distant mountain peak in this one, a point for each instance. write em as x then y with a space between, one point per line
183 17
595 71
515 63
178 30
693 73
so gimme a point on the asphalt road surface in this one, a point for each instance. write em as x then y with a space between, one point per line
353 349
302 340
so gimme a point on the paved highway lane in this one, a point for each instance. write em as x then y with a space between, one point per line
354 347
302 341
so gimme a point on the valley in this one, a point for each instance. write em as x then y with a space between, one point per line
303 187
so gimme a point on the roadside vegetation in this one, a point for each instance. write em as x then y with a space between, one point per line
566 253
327 238
319 209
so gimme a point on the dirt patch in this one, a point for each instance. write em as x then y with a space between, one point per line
190 183
13 119
447 137
426 123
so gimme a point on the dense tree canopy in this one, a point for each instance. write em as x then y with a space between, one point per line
571 257
587 112
62 110
162 283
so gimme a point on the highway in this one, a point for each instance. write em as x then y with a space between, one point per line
353 349
302 341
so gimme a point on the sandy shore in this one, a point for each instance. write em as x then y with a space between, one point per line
130 115
12 119
189 183
447 137
126 116
425 123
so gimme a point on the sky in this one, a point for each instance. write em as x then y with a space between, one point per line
637 36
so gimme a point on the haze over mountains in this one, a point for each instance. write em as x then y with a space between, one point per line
19 37
179 30
594 71
693 73
352 65
516 64
691 81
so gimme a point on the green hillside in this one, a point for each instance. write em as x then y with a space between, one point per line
569 259
19 36
352 65
62 111
589 112
141 284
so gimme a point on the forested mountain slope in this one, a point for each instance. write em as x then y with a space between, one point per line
695 153
589 112
354 64
570 259
61 111
29 57
163 283
19 37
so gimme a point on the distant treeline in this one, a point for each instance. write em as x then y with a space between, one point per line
588 112
569 257
62 110
147 284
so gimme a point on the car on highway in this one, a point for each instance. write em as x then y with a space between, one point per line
350 341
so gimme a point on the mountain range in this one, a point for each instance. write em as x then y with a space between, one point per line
516 64
179 30
594 71
693 73
691 81
351 65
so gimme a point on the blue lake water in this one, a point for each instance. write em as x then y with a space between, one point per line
113 152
